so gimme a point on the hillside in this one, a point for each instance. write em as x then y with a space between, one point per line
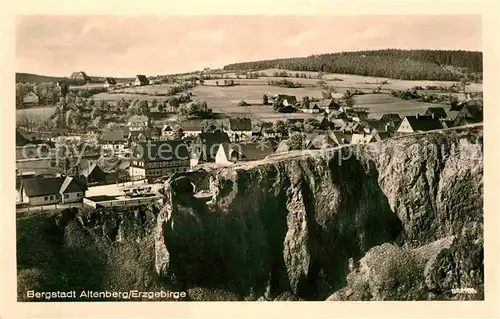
35 78
397 220
391 63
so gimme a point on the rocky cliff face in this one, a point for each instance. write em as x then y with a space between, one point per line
400 219
396 220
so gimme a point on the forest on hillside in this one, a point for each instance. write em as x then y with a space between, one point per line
441 65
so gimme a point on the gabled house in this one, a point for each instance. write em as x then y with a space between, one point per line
205 147
93 174
141 80
231 153
191 128
439 112
329 105
52 190
109 82
418 123
138 122
341 137
31 98
392 119
239 129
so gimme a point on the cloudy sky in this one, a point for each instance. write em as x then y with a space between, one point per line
127 45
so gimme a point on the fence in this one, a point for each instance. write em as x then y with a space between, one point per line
20 208
124 202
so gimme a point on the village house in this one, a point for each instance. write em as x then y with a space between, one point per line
381 135
313 109
155 159
146 134
80 77
115 141
418 123
324 123
341 137
205 147
93 174
138 123
109 82
392 119
191 128
31 98
141 80
362 138
439 112
239 129
329 105
316 141
286 100
52 190
229 153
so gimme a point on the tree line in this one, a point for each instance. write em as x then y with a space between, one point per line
443 65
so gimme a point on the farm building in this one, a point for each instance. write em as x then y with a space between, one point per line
418 123
109 82
31 98
191 128
239 129
141 80
231 153
52 190
206 146
157 159
341 137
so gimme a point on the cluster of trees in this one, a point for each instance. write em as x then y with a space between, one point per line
195 110
284 83
48 93
176 89
412 94
444 65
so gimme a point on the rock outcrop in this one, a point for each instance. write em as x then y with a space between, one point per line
396 220
292 224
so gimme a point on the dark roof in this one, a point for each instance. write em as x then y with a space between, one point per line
473 111
452 115
91 168
437 111
110 80
424 122
194 125
209 143
161 150
113 136
72 185
337 136
42 186
240 124
142 78
382 135
248 151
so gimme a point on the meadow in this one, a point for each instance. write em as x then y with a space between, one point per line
35 113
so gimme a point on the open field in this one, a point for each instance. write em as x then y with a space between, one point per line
148 89
35 113
357 81
126 96
378 104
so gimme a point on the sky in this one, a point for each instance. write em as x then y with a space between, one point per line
123 46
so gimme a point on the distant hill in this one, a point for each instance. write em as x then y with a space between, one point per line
443 65
35 78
